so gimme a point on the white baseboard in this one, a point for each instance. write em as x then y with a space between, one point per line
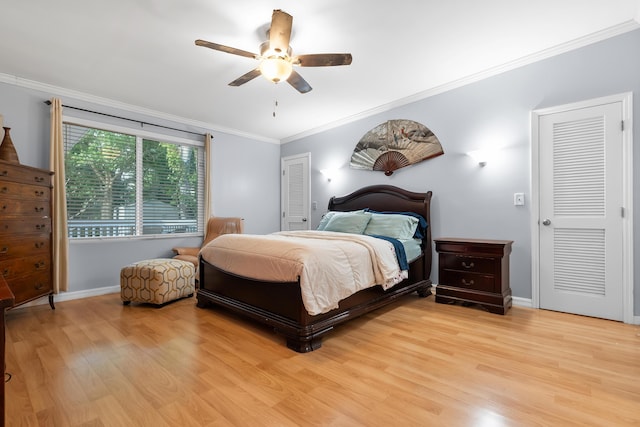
521 302
68 296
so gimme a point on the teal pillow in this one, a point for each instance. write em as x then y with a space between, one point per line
327 217
397 226
325 220
348 222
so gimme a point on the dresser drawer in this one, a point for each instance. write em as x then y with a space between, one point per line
24 174
20 191
26 225
17 247
13 268
478 282
19 207
31 286
468 263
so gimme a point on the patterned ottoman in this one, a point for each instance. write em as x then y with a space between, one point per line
157 281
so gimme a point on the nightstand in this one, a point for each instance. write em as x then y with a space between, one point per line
474 271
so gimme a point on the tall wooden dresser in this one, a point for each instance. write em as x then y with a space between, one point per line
6 301
25 231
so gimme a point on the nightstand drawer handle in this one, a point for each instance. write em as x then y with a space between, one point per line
470 265
39 265
39 286
469 283
39 209
4 250
39 179
39 193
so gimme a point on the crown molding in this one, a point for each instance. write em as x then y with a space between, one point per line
592 38
82 96
598 36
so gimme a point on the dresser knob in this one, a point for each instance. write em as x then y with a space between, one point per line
39 286
39 179
6 272
39 264
39 209
4 190
4 250
470 265
39 193
469 283
4 207
40 226
39 245
4 173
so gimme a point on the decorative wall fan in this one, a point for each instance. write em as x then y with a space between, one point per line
393 145
276 62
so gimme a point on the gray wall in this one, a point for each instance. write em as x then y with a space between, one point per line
245 182
470 201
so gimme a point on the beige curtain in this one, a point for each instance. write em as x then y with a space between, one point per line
208 209
59 239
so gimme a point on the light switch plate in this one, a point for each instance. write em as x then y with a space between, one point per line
518 199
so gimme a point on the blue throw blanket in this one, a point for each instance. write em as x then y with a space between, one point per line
400 252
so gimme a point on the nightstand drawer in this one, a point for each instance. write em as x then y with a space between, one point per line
468 263
478 282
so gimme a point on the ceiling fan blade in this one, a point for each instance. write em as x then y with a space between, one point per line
245 77
227 49
298 82
280 31
322 59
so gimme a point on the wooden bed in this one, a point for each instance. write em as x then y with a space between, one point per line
279 305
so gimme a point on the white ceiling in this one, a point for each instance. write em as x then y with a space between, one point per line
141 53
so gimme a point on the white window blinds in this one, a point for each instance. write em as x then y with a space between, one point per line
123 184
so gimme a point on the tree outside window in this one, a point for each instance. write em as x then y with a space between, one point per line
121 184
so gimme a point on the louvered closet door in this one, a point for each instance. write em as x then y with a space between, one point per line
581 198
295 192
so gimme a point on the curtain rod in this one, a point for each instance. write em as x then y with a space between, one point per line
126 118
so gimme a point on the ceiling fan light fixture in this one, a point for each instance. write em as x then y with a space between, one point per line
276 68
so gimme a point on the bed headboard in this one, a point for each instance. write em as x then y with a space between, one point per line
390 198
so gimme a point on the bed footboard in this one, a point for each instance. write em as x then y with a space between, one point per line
279 305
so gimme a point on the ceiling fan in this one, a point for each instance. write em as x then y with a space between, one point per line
276 60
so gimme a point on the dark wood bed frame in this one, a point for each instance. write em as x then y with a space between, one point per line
279 305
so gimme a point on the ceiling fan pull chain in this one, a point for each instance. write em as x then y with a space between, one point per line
275 105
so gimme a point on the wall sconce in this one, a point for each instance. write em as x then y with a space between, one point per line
480 156
329 173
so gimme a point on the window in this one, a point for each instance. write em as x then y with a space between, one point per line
121 182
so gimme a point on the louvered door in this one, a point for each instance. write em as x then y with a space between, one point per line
295 192
581 199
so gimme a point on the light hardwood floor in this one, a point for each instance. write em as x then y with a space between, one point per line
93 362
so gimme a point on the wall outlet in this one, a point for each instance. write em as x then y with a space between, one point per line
518 199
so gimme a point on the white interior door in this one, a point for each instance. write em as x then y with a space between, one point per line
296 189
582 210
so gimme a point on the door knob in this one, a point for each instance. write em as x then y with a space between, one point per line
304 219
546 222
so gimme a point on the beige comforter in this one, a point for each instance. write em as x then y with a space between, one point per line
331 266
